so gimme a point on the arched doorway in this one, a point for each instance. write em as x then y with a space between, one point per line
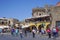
39 27
48 26
33 27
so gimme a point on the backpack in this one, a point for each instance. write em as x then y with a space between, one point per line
48 30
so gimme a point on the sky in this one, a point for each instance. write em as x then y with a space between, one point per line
21 9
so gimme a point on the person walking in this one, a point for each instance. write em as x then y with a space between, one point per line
33 33
49 32
57 30
54 31
16 31
25 33
42 31
12 31
0 30
21 33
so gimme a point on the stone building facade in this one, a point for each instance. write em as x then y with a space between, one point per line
48 15
53 11
9 22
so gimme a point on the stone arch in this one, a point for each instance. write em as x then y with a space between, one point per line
39 27
48 26
33 27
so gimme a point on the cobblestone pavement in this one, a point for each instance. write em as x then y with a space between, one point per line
29 37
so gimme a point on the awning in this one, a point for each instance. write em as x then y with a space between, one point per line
39 16
25 26
4 27
1 27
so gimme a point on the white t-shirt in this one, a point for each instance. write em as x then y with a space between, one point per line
54 30
33 31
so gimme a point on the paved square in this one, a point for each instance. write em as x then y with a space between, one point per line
29 37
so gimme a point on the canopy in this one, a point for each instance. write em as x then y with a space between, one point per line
39 16
25 26
4 27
